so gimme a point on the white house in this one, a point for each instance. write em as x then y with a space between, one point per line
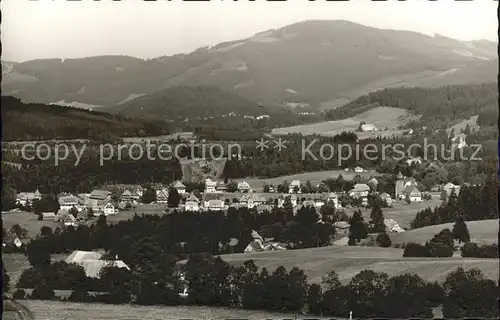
180 187
368 127
92 263
360 191
162 196
412 193
294 185
210 186
359 169
243 187
251 200
27 198
192 203
216 205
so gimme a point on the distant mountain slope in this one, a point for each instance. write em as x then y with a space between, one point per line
311 62
179 103
40 122
438 107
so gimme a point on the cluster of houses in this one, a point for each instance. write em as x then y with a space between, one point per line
254 200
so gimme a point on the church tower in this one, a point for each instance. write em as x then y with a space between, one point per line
399 185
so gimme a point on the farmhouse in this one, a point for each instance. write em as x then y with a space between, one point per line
210 186
162 196
97 199
294 187
192 203
92 263
67 202
251 200
412 194
367 127
27 198
126 196
401 184
360 191
180 187
243 187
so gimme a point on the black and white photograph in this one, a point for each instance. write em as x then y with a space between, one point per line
251 159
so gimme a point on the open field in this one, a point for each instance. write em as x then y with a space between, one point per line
484 231
380 117
348 261
16 263
315 177
402 212
27 220
54 310
173 136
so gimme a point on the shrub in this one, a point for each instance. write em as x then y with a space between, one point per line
415 250
472 250
43 291
383 240
438 249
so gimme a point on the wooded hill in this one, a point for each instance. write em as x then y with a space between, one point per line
36 121
439 107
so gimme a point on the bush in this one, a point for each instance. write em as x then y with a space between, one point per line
472 250
415 250
383 240
43 291
438 249
79 295
19 294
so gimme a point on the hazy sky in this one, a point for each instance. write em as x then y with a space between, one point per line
64 29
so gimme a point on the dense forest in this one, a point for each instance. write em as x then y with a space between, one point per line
439 107
37 121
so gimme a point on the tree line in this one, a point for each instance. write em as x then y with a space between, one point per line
440 107
472 203
213 282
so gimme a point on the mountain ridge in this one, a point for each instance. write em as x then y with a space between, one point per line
308 62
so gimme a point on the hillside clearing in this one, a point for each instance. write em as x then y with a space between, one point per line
314 177
348 261
484 231
380 117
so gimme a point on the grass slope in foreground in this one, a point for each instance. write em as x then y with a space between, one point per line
348 261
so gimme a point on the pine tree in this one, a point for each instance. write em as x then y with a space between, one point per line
174 198
357 228
377 216
460 231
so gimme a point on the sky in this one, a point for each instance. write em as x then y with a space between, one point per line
75 29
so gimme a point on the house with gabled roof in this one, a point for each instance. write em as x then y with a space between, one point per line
66 202
401 183
192 203
251 200
126 196
360 191
179 186
210 186
162 196
412 194
97 199
221 187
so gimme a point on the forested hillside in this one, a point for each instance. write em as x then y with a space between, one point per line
37 121
439 107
